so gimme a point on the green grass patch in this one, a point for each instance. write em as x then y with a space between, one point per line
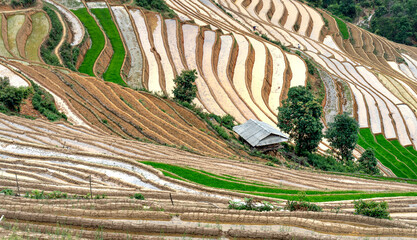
195 176
112 73
338 197
206 180
97 39
412 150
386 155
342 27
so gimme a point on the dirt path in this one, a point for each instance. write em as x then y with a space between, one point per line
64 37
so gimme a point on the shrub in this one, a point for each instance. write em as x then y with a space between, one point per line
228 121
45 104
372 209
138 196
7 191
249 204
302 206
368 162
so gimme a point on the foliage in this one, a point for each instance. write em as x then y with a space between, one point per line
299 116
97 39
250 204
302 206
11 97
112 73
7 191
44 102
22 3
157 6
401 167
342 28
368 162
138 196
69 55
329 163
55 35
228 121
185 90
393 19
372 209
396 20
343 135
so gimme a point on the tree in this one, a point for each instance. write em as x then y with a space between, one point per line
343 135
185 90
299 116
368 162
11 97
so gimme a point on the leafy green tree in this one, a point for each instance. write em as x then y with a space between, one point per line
343 135
185 90
368 162
11 97
299 116
372 209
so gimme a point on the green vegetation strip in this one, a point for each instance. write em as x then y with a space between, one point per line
384 151
214 181
55 35
112 73
97 39
342 27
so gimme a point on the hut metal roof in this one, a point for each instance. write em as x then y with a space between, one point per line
258 133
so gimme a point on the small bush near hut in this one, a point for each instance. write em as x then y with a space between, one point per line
372 209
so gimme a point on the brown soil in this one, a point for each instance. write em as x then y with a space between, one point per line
4 32
259 6
250 61
271 10
83 50
26 108
266 86
310 27
297 24
23 35
246 3
103 61
287 81
284 17
232 62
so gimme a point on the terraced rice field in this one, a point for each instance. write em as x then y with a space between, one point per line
240 72
14 23
112 73
3 50
40 29
49 157
127 29
97 41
